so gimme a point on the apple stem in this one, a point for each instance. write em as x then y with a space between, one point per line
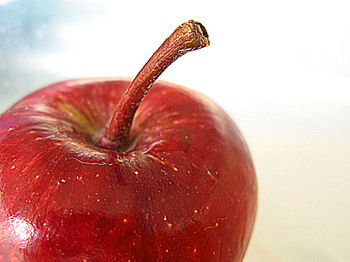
187 37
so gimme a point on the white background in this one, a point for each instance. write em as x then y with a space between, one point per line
280 68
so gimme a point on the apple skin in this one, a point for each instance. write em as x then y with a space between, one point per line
184 190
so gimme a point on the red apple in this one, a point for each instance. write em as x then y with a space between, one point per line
88 173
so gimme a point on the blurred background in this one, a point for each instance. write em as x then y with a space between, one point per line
280 68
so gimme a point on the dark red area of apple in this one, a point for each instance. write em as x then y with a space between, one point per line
184 189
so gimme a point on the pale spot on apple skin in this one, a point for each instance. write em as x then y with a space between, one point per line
210 227
125 221
212 177
165 218
195 211
37 176
175 169
80 178
136 172
13 167
170 225
195 250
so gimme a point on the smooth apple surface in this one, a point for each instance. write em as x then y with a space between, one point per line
183 190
